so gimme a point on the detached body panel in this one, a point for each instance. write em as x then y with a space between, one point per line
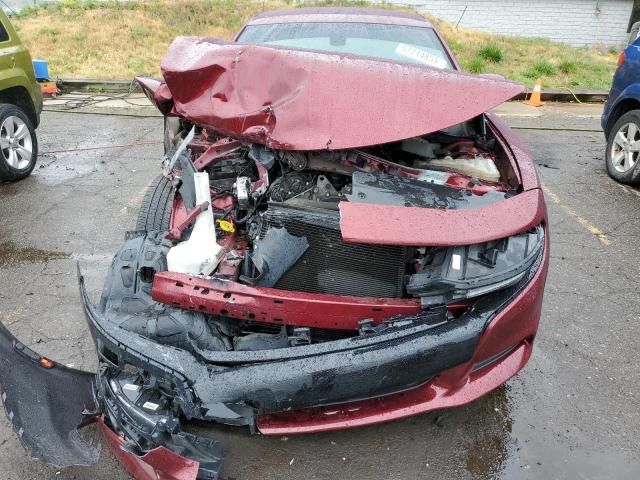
45 402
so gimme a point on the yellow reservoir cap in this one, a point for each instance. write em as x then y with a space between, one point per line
226 226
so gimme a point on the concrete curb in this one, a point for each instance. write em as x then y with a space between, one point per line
92 85
566 95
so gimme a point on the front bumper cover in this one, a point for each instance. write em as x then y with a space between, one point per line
364 379
45 402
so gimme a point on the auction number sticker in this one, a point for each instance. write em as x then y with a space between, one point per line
421 56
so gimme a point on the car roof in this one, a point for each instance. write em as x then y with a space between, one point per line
340 14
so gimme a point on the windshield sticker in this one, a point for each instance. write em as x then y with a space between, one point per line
421 56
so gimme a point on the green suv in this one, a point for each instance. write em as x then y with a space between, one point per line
20 106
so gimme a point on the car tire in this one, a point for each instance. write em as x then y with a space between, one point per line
622 164
18 151
155 210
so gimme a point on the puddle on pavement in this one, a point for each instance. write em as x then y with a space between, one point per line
488 448
54 169
12 254
515 444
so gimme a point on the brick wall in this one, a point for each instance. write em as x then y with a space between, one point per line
575 22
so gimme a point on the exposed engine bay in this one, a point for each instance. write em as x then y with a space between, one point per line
276 224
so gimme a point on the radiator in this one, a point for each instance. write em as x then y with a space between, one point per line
331 266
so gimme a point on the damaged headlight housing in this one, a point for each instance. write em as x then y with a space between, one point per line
458 273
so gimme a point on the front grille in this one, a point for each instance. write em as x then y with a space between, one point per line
331 266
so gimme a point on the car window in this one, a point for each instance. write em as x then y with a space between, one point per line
4 35
400 43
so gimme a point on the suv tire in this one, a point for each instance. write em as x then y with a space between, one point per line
623 164
18 144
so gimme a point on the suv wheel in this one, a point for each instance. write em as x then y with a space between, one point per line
623 149
18 144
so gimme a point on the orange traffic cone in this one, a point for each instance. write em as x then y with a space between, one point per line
535 99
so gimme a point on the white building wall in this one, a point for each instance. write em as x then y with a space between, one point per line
576 22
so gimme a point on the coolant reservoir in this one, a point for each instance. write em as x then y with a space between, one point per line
200 254
479 167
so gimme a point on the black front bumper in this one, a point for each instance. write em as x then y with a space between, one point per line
233 387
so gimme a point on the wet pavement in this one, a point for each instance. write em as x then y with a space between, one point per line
571 414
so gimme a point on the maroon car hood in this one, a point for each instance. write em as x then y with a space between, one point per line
302 100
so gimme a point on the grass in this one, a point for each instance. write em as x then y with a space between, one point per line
526 59
475 65
540 69
121 39
491 53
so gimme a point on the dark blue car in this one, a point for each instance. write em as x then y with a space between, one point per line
621 118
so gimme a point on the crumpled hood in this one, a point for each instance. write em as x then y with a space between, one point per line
302 100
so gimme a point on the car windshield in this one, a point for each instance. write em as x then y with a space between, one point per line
399 43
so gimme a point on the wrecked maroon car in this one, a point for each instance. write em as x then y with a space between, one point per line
341 236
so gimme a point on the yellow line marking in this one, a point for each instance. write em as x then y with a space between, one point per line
595 231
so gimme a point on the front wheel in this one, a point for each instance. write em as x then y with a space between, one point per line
623 149
155 210
18 144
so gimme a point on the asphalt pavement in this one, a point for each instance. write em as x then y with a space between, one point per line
571 414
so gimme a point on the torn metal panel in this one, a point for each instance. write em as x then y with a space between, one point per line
215 151
312 101
157 92
394 225
45 401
